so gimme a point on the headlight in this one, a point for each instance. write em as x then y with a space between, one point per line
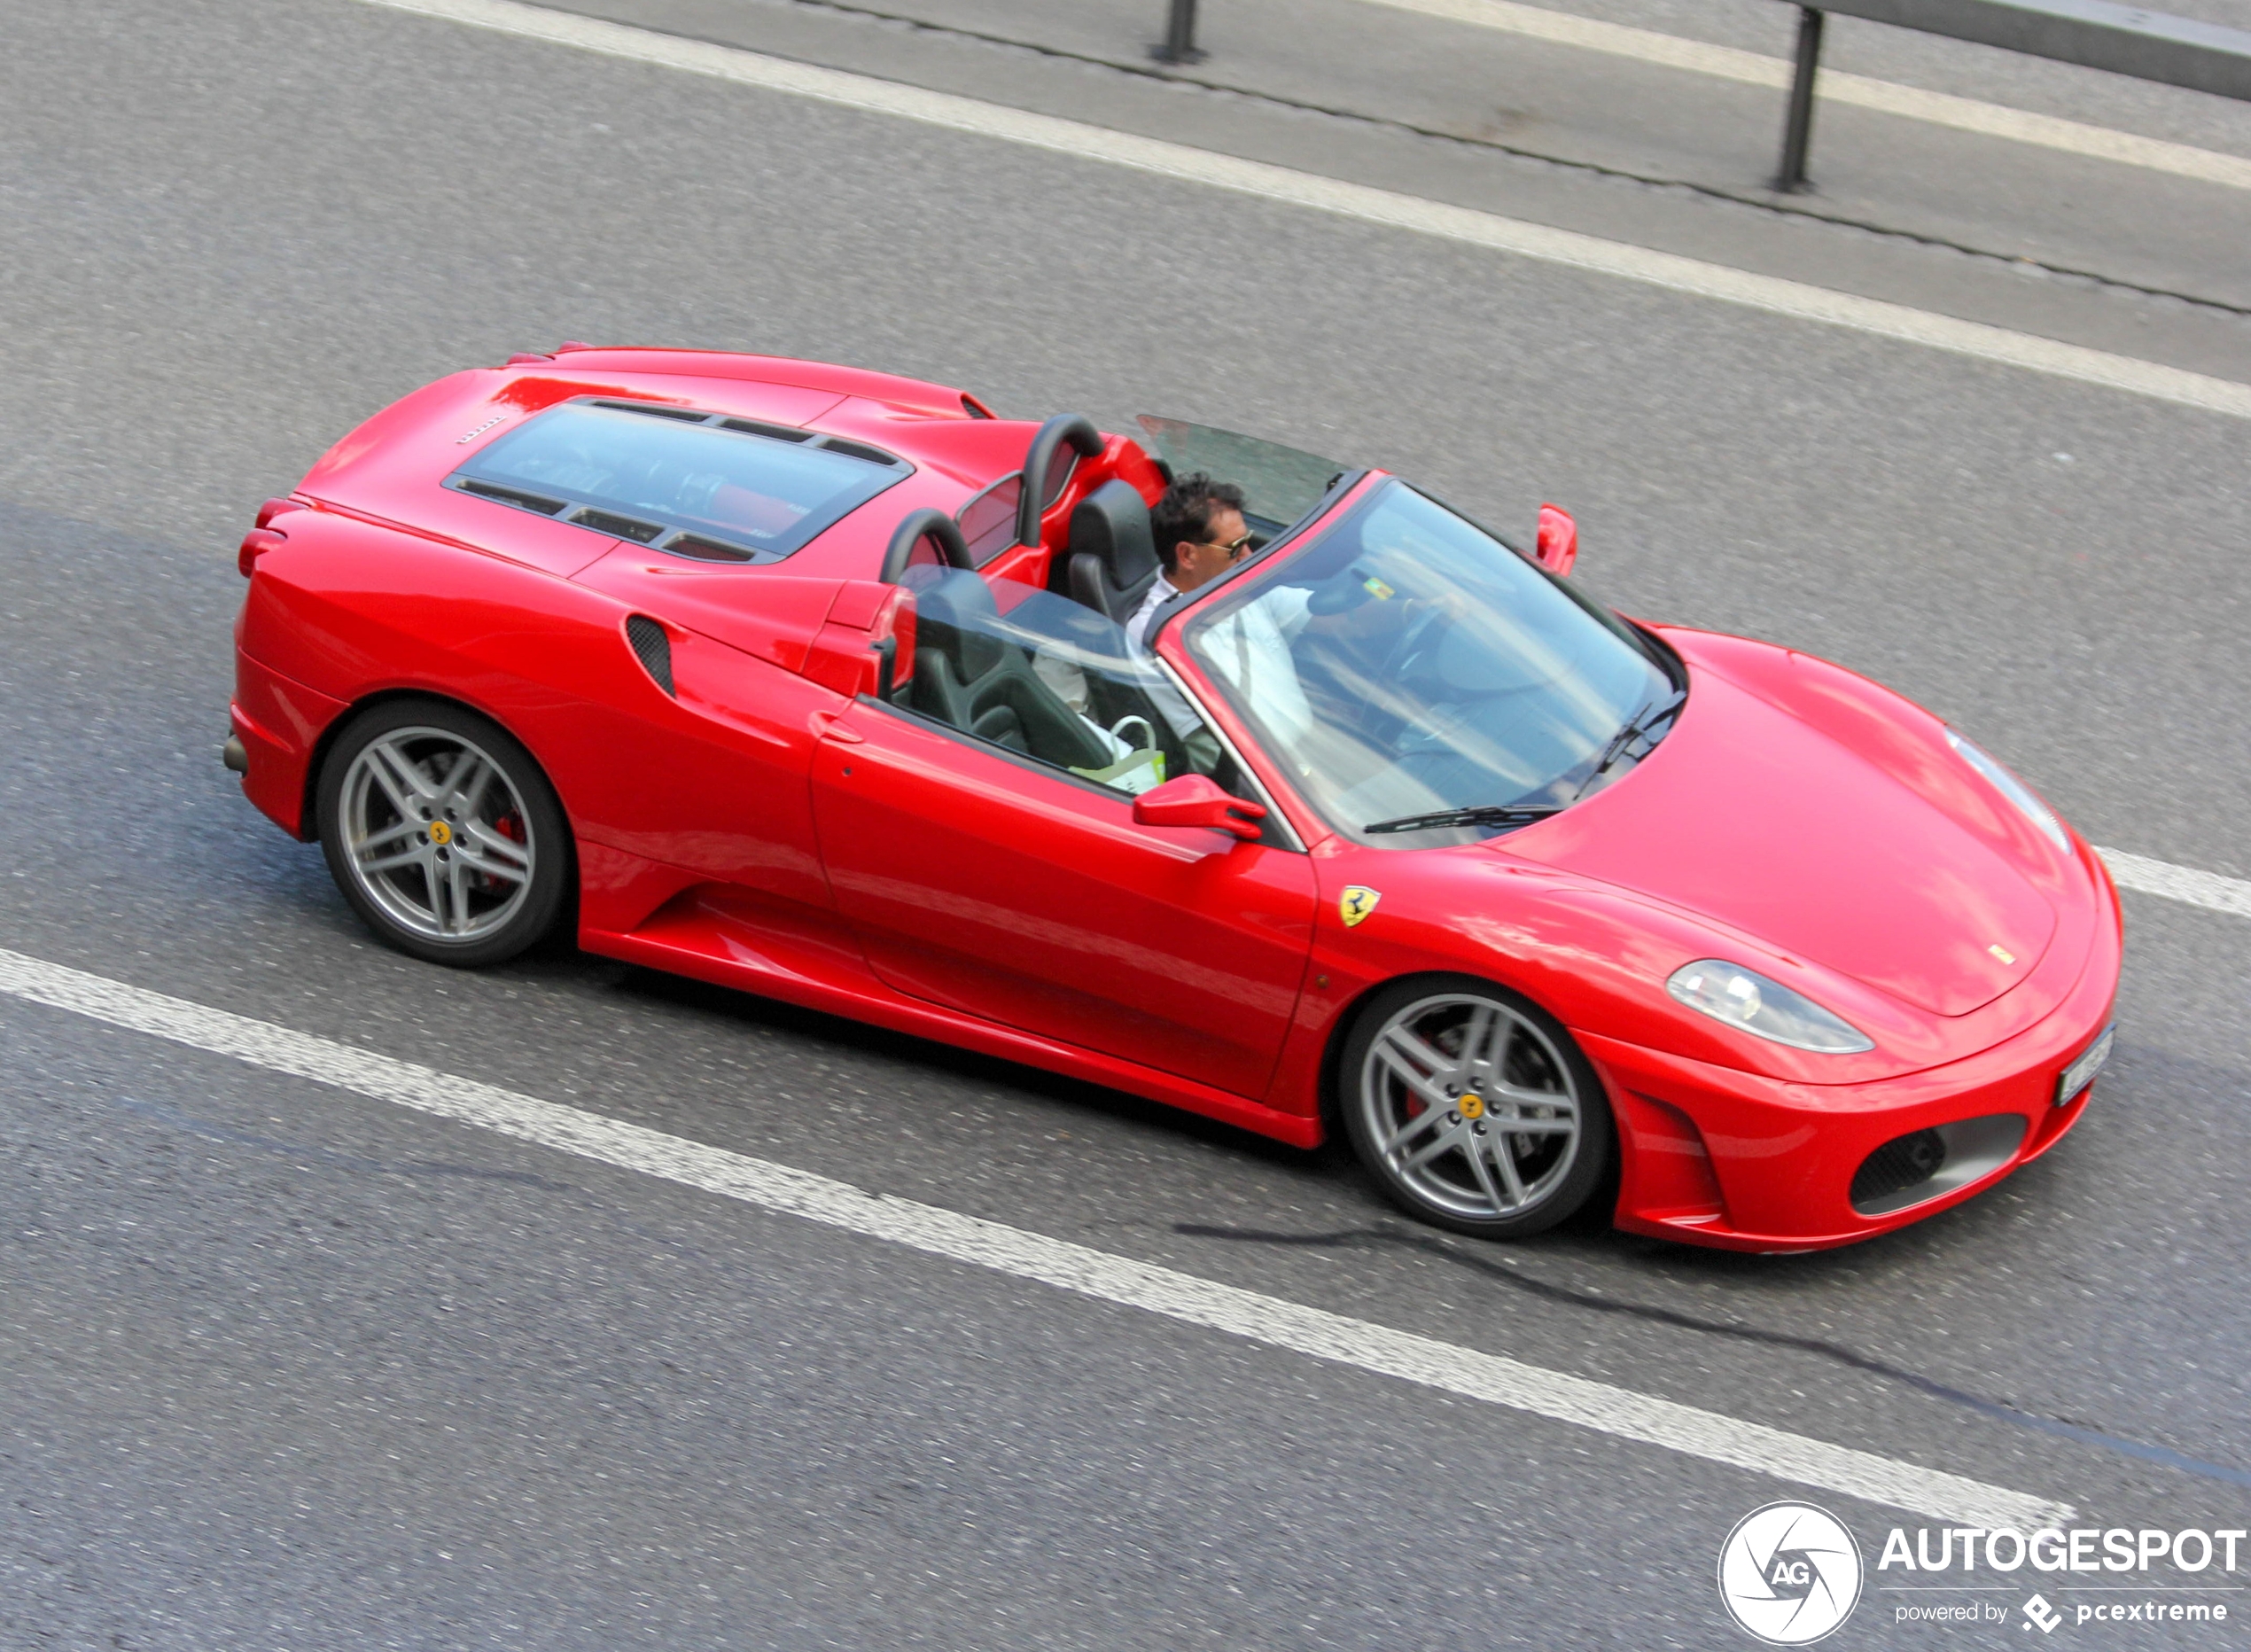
2015 790
1764 1008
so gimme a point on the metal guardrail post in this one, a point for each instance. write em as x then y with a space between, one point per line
2096 33
1797 128
1179 36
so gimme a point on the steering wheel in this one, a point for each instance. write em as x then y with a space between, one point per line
1400 659
1378 723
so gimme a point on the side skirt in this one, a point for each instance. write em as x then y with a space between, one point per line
688 938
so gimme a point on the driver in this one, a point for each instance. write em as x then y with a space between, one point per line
1200 533
1286 649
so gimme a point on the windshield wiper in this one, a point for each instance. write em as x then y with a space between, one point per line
1483 814
1640 727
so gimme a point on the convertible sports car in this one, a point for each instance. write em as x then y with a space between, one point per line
812 681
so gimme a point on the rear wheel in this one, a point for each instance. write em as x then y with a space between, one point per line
442 833
1473 1109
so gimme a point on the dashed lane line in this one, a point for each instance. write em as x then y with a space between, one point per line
2208 889
1360 202
1620 1412
1752 68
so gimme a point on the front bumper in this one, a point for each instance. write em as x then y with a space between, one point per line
1713 1156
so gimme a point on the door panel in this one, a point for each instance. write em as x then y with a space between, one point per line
992 886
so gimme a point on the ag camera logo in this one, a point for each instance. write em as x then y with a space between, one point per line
1790 1573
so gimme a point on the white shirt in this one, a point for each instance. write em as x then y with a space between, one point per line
1137 627
1250 650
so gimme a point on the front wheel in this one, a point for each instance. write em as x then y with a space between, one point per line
1473 1109
442 833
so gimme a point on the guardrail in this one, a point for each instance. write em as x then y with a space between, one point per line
2094 33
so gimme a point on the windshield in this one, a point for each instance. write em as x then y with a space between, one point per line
1279 484
1407 663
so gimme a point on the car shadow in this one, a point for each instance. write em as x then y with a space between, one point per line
859 1038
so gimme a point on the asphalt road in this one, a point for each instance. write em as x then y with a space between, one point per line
285 1367
2018 234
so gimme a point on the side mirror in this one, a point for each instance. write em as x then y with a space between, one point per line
1559 539
1196 800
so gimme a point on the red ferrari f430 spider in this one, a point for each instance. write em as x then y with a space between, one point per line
817 683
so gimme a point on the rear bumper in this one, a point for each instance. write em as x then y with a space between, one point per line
279 722
1713 1156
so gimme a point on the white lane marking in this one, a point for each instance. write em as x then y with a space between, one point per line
1769 294
2178 882
1964 114
1270 1320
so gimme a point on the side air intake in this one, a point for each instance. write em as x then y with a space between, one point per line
652 648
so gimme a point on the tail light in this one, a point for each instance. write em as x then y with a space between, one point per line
264 537
255 544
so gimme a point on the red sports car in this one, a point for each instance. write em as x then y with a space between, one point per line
816 682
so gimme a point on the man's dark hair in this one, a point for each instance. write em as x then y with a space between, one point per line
1185 514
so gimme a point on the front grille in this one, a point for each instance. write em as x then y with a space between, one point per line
652 648
1898 1165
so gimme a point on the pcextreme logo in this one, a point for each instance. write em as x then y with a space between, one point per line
1790 1573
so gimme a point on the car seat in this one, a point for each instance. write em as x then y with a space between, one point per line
1112 555
967 674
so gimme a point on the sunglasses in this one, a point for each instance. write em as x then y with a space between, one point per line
1234 548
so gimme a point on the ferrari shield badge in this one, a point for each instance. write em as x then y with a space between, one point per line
1356 903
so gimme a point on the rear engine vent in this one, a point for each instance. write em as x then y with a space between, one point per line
1896 1167
652 648
513 496
708 550
777 432
655 410
623 526
859 451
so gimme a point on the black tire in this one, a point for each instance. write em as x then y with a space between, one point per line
1539 1078
466 878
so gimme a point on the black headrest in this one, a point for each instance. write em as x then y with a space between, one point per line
955 615
1111 524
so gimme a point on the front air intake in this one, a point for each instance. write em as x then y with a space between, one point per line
1896 1167
652 648
1925 1164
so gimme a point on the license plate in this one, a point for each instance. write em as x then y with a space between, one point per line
2081 1073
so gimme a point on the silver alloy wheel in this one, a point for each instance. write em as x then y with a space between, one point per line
1472 1107
435 835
